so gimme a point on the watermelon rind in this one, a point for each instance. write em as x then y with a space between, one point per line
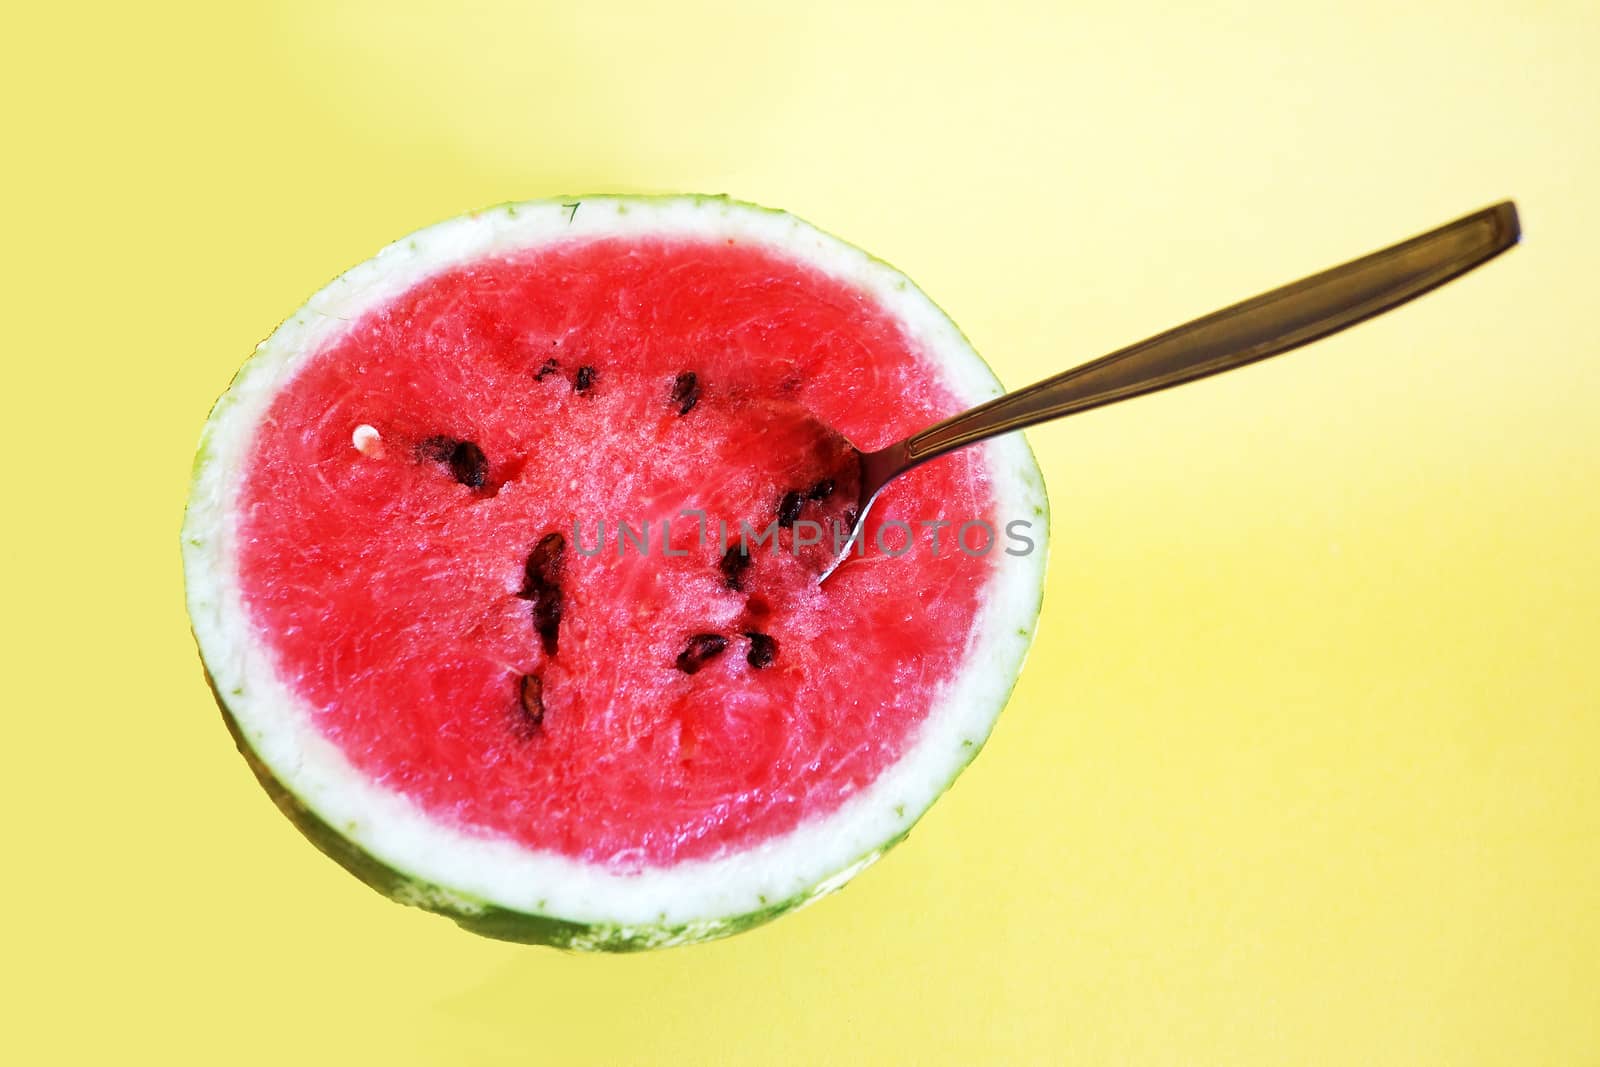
500 888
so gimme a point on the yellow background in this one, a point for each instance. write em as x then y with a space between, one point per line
1305 767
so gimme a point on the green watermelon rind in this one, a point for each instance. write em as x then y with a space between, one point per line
531 926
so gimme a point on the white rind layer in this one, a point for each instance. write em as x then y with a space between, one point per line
456 871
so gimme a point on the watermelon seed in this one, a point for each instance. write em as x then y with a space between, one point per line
763 650
547 621
544 562
686 391
734 563
701 649
549 367
821 491
584 379
530 691
541 584
367 441
789 507
468 464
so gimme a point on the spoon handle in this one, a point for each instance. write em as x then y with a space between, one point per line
1263 326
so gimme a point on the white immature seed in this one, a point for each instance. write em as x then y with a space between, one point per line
368 441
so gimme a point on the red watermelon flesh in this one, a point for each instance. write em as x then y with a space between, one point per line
392 590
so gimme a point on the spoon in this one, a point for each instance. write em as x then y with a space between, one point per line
1266 325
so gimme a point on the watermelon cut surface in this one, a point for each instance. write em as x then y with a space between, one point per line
465 566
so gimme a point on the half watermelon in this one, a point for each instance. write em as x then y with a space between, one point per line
491 555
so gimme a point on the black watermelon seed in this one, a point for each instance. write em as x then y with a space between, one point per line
822 490
550 367
547 621
541 584
686 391
584 379
530 691
763 650
701 649
469 465
544 563
734 563
789 508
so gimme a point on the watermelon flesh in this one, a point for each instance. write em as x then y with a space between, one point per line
415 569
379 577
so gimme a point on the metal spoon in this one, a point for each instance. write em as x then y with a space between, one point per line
1266 325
